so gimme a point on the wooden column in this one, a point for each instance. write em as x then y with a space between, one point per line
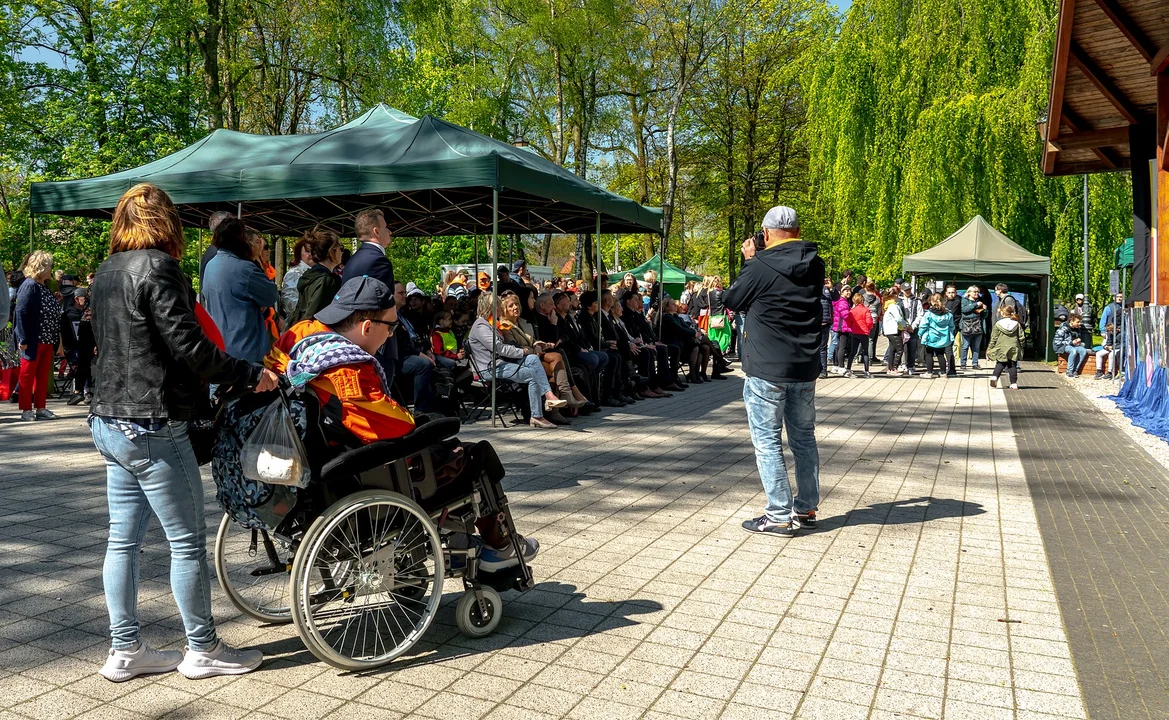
1161 199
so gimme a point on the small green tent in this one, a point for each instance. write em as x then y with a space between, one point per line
429 176
672 277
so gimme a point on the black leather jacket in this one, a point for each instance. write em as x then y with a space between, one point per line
153 356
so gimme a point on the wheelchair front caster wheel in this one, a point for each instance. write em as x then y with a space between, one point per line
472 620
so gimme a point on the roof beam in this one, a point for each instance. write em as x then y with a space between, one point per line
1087 168
1063 39
1111 160
1104 84
1160 62
1087 139
1128 28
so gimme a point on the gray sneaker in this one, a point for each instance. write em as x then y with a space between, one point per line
28 416
222 660
43 414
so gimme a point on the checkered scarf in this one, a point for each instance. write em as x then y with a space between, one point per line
317 354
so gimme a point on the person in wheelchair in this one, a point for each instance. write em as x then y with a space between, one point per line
332 355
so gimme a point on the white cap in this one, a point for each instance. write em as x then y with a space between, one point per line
781 217
1079 296
412 289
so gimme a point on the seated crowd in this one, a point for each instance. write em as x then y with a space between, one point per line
574 350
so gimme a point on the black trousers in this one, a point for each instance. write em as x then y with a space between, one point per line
946 365
1012 368
825 333
858 345
893 353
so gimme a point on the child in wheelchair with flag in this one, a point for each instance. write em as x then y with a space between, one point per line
359 443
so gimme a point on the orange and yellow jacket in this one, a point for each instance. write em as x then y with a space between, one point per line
366 410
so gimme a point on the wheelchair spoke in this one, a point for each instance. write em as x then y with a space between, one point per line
381 568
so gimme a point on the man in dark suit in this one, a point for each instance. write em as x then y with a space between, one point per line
370 259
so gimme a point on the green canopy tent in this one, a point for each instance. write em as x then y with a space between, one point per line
672 277
979 252
429 177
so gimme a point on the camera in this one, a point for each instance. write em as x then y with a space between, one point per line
760 240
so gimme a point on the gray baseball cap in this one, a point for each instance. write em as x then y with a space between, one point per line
359 293
781 217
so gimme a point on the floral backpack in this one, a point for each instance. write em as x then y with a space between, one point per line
237 495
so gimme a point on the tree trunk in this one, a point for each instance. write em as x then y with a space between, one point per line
208 41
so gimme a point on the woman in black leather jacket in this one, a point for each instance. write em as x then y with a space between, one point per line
152 364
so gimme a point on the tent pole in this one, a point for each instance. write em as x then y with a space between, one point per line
661 289
597 282
494 295
476 261
1047 322
239 211
30 223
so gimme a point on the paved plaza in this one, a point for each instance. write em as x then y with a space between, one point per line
925 591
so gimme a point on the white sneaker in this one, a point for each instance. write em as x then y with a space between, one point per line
44 414
28 416
492 560
223 660
121 665
1014 386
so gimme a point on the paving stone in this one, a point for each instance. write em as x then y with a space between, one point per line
890 608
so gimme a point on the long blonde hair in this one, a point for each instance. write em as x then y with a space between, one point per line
146 219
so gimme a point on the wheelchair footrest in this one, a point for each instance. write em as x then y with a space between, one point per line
511 578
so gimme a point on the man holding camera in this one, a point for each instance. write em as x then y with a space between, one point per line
780 285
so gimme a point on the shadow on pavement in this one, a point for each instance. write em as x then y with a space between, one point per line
534 624
901 512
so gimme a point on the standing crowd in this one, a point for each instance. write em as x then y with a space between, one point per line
921 328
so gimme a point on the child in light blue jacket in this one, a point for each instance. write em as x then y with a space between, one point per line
937 333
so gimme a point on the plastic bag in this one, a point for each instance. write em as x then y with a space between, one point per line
273 453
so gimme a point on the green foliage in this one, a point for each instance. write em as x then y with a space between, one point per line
886 129
922 115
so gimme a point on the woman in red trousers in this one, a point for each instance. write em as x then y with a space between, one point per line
38 334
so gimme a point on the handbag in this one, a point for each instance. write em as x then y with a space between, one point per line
718 322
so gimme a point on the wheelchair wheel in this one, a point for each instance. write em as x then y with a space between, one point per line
473 620
367 580
253 570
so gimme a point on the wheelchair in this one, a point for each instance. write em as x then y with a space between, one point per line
357 560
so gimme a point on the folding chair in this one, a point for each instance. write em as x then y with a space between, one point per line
507 397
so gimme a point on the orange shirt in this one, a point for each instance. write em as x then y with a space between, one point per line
366 411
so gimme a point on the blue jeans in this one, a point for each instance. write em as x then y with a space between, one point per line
971 343
155 474
531 373
833 340
768 405
443 361
1077 354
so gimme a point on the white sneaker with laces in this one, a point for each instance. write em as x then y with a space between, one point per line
122 665
44 414
222 660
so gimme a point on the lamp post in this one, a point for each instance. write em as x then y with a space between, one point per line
1085 237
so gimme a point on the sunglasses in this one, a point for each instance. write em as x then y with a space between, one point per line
392 325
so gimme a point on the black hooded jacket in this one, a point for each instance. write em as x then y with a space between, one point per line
781 288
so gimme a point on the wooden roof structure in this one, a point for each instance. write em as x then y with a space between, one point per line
1108 54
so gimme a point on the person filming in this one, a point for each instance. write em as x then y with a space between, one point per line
780 286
